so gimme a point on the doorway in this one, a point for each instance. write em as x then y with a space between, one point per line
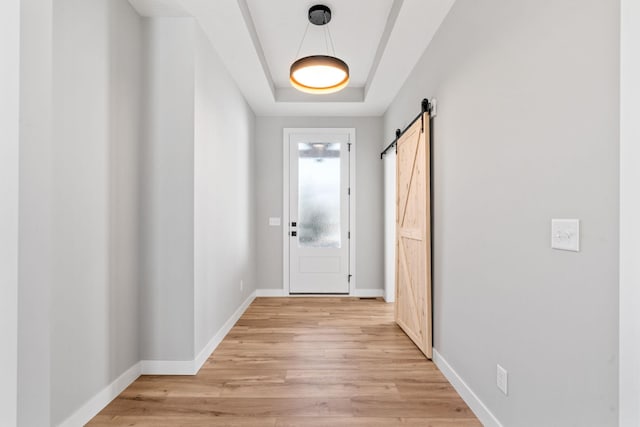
319 191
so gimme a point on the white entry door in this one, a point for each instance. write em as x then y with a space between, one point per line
319 213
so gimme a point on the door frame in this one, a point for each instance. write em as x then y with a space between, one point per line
286 196
629 233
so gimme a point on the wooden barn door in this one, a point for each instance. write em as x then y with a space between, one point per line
413 235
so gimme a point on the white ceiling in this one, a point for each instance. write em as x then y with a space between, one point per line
381 41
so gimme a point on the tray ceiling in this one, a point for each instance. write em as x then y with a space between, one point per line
257 40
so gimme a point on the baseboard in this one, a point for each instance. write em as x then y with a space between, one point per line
97 403
168 367
368 293
471 399
271 293
362 293
217 338
389 295
191 367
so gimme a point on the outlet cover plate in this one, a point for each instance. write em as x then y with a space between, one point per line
502 379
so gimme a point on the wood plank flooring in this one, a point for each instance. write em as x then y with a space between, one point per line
301 362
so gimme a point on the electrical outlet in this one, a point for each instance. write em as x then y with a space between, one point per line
501 378
241 285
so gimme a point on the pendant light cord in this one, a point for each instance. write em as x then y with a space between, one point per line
326 40
333 49
302 41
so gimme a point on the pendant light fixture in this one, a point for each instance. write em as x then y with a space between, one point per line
319 74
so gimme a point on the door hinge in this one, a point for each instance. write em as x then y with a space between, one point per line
349 146
349 191
349 278
348 234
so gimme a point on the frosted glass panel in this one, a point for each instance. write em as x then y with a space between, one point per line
319 195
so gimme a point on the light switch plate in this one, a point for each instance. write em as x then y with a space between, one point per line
565 234
274 221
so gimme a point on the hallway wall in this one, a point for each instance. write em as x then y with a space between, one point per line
148 248
166 190
224 232
526 131
9 172
196 195
94 294
629 214
35 241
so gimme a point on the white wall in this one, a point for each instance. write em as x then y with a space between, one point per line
527 130
79 191
166 177
197 192
127 122
34 256
629 214
223 194
9 143
369 196
94 294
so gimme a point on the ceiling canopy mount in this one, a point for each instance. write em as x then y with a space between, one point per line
319 14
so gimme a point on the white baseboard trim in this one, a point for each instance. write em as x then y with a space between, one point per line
271 293
389 295
480 409
363 293
217 338
97 403
368 293
167 367
191 367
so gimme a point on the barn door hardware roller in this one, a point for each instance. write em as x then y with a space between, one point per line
426 106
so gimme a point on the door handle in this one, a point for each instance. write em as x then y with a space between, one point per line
294 233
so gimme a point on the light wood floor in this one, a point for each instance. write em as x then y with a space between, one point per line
301 362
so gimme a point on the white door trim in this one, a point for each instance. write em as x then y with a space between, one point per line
629 364
285 201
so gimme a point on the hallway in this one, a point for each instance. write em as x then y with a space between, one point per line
301 362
